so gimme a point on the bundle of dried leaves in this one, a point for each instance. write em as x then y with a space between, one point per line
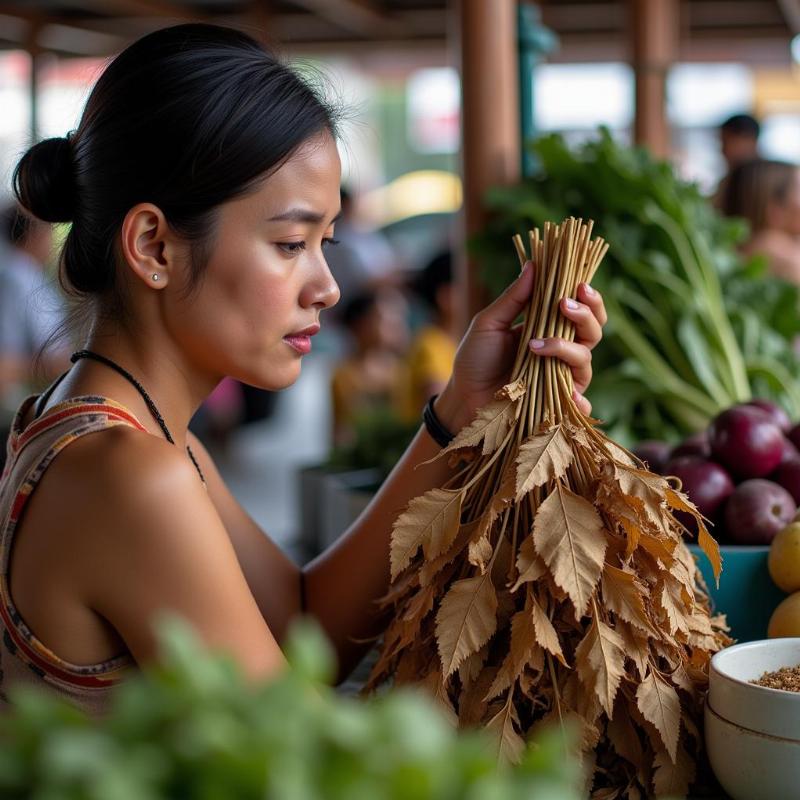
548 578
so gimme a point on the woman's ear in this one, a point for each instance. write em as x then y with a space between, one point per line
149 246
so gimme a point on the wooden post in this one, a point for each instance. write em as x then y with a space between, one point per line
654 37
490 125
35 53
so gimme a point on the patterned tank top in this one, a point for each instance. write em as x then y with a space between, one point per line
24 660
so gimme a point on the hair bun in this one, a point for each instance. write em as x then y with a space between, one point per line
44 180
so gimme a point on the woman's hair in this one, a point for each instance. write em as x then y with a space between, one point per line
753 186
186 118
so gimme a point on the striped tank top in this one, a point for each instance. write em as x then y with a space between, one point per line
24 660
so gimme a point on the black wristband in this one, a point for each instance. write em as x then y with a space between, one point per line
434 425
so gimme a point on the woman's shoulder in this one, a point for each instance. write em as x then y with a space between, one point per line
119 476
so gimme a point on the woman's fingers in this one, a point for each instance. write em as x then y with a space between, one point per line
575 355
583 404
592 298
588 330
587 313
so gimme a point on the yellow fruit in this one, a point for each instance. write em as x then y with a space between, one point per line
784 558
785 619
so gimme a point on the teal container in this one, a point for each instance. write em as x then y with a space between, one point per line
746 593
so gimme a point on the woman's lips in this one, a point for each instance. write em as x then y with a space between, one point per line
301 343
301 340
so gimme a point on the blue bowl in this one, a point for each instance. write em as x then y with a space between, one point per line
746 593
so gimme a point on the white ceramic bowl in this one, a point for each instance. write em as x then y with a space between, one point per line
750 765
732 697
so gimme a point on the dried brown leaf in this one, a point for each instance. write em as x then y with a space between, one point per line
490 427
578 435
708 544
545 633
467 619
673 777
624 738
670 601
472 666
529 566
636 646
512 391
661 548
436 688
433 567
569 536
661 706
431 522
600 659
510 745
623 595
649 488
542 458
480 552
523 645
471 704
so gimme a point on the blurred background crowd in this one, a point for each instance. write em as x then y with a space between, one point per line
732 112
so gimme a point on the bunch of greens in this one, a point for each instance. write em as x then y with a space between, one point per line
380 437
193 729
692 328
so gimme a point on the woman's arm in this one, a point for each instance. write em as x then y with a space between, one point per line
343 584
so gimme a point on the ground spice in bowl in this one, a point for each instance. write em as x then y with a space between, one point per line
786 678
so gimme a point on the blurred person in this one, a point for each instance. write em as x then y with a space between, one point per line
202 184
767 194
363 258
433 350
371 375
31 310
738 139
738 144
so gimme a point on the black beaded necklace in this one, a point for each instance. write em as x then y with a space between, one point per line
145 396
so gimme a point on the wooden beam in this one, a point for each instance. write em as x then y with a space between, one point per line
78 41
791 13
654 34
150 8
563 17
359 16
736 13
412 29
491 154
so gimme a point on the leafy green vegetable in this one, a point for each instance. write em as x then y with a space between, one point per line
380 438
692 328
192 729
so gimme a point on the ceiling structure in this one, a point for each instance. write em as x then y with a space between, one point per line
589 30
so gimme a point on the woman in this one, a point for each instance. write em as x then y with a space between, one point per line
203 186
767 194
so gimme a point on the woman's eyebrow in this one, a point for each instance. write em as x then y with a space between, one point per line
301 215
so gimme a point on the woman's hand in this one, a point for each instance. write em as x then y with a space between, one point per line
486 353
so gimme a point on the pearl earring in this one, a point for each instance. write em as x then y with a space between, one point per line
155 276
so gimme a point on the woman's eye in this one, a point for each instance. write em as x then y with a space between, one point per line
292 248
329 242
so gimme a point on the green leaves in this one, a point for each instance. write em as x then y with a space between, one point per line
692 329
191 728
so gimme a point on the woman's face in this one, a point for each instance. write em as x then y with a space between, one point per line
266 282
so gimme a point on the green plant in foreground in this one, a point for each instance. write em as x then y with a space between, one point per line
192 729
692 328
